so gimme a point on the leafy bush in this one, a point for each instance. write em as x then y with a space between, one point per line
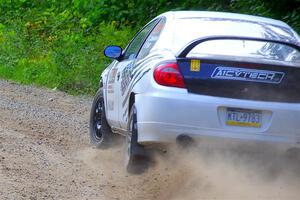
59 43
46 49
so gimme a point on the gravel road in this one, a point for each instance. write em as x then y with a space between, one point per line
45 154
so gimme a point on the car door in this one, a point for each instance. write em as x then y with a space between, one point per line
111 110
120 75
138 49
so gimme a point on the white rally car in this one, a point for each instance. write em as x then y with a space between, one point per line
191 75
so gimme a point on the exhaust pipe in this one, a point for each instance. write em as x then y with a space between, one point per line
185 141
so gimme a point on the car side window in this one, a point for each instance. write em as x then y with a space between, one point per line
152 39
134 47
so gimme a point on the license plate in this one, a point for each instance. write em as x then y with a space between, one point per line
243 117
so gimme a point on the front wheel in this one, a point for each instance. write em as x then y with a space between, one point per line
136 159
100 131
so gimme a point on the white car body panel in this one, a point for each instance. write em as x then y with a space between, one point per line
161 112
164 113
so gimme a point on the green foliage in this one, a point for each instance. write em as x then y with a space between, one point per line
288 11
59 43
58 55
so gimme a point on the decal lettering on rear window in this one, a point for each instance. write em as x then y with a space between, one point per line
253 75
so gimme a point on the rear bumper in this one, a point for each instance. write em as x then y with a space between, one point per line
163 116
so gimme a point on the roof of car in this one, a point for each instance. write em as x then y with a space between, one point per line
221 15
221 24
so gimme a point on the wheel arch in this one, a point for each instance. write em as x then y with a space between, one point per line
131 102
103 84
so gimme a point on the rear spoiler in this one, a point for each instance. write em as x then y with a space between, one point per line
194 43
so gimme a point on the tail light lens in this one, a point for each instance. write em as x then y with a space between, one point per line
169 75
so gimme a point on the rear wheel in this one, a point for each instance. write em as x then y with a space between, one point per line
100 132
136 159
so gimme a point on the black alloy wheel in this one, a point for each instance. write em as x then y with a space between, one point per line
100 132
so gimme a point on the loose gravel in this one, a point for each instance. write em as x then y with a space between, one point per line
45 154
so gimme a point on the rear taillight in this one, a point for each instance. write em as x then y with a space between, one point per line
169 75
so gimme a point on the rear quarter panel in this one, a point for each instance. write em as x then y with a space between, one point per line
141 77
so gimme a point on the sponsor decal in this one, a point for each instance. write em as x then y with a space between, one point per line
112 75
126 77
242 74
195 66
110 88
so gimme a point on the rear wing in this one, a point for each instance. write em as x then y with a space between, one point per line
184 52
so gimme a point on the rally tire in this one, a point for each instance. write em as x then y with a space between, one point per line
136 158
100 132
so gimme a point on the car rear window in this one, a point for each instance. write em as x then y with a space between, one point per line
189 29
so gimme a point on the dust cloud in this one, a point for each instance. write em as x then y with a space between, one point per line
233 174
202 173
